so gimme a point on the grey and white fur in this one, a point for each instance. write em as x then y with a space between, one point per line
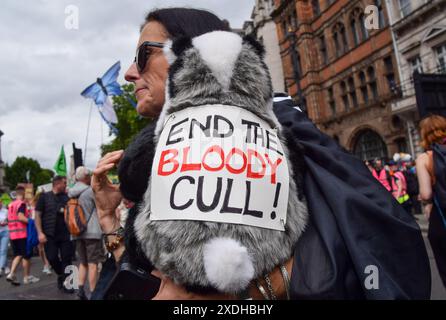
218 68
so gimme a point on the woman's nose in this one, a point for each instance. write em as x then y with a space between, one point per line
132 73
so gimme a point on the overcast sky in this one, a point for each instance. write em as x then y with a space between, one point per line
45 66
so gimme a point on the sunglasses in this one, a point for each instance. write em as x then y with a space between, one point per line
143 54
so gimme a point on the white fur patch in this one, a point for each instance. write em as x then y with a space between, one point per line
170 56
227 264
220 50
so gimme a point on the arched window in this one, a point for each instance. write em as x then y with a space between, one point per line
331 101
364 32
339 39
364 93
372 82
356 24
344 96
316 8
369 145
352 92
323 50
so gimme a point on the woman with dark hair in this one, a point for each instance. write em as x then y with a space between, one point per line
332 255
433 131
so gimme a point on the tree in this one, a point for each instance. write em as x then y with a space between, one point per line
129 122
16 173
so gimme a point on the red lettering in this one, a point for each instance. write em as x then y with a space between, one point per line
228 160
251 173
164 161
273 167
189 166
222 158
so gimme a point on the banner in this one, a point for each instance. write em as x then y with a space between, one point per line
222 164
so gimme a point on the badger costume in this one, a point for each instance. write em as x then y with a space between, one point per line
218 68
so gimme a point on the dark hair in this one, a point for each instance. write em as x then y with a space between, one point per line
20 188
187 22
57 179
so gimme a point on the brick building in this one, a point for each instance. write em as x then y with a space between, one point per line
347 73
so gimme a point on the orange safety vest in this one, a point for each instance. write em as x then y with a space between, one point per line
17 229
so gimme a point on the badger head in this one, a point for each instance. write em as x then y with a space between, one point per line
218 68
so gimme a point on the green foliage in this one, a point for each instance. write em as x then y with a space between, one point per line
16 173
129 122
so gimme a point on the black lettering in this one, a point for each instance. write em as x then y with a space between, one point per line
216 126
226 208
206 129
270 139
171 133
172 194
247 211
250 124
200 204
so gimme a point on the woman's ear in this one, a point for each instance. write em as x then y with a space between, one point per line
173 49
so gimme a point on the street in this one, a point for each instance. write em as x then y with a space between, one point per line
46 288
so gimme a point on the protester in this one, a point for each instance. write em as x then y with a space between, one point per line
399 186
52 230
381 174
413 189
17 224
330 258
4 240
433 131
89 243
31 203
369 166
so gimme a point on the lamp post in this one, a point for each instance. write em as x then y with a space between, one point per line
296 70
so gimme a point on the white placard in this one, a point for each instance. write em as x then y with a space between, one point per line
220 163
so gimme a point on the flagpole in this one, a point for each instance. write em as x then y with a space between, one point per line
88 130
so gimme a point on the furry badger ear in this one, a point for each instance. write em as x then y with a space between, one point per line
256 45
173 49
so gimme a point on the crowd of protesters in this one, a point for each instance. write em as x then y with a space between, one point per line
43 218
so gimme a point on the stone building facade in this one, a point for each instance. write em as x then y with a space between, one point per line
348 73
263 28
419 30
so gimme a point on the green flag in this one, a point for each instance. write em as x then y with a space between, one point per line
61 165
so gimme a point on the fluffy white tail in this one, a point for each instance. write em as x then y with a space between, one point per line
228 265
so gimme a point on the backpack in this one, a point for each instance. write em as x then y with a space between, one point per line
32 238
75 217
439 188
412 183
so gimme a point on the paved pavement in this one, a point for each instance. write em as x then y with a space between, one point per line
46 289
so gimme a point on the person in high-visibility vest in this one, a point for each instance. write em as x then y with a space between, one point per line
399 186
17 224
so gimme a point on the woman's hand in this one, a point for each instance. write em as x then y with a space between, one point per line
107 195
170 291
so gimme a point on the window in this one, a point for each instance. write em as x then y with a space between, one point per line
441 58
354 31
379 5
316 8
364 32
372 82
331 101
390 76
292 20
405 7
352 92
416 65
323 50
369 145
344 95
340 39
365 94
